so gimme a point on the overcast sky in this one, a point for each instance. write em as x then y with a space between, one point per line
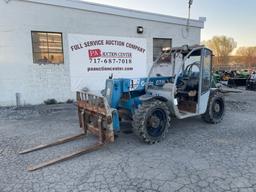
234 18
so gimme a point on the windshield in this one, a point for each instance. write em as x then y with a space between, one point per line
192 65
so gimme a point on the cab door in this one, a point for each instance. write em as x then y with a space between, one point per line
205 79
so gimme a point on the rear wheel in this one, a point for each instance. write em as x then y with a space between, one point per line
216 108
151 121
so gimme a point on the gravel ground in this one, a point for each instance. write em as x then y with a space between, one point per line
195 156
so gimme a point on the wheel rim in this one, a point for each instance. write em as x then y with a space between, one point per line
156 122
218 109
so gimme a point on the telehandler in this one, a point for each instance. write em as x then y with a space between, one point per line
178 86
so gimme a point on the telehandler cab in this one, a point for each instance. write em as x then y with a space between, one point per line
178 85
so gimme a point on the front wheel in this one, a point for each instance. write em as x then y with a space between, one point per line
215 109
151 121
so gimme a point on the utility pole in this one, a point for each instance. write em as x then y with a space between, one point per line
190 2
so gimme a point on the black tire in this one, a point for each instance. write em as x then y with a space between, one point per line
215 109
151 121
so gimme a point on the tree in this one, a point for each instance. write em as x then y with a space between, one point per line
222 47
248 55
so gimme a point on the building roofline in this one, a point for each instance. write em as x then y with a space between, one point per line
100 8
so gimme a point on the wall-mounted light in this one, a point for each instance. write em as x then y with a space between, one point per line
140 29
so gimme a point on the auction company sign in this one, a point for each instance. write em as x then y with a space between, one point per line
93 59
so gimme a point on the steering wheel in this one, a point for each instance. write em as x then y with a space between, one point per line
188 71
182 83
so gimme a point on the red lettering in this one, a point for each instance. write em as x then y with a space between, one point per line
94 53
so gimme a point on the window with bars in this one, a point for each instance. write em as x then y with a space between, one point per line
47 47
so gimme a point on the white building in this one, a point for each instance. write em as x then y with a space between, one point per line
39 70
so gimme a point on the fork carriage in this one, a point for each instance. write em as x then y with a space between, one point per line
95 117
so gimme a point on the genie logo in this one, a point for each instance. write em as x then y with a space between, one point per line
93 53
